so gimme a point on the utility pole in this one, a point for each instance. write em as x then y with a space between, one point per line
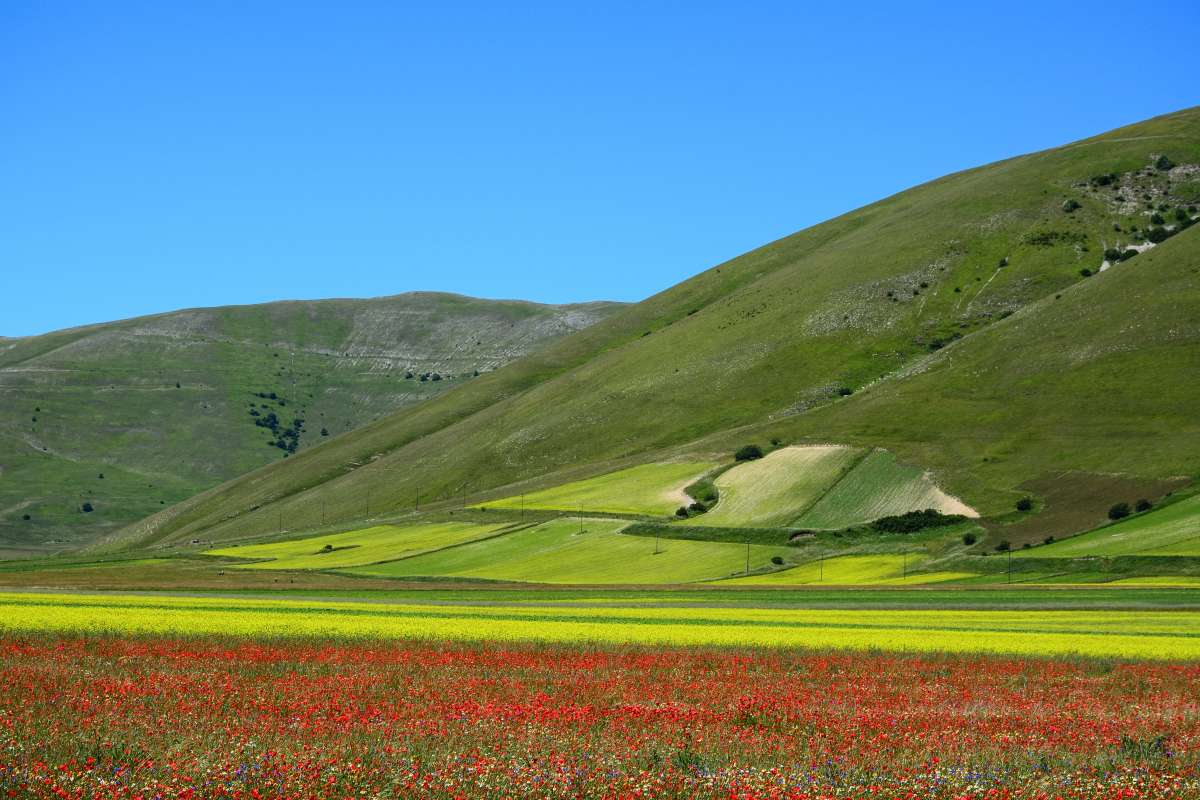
1010 565
368 503
322 510
581 520
821 562
280 522
905 563
747 556
417 504
656 549
522 506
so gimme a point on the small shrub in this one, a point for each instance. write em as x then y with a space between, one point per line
1025 504
1070 205
1003 547
1085 272
87 508
775 442
1119 511
777 560
845 391
697 508
748 452
1158 235
26 517
1128 254
1112 254
1157 219
1003 262
969 539
1048 540
1163 163
1026 546
1143 505
324 431
681 512
1182 216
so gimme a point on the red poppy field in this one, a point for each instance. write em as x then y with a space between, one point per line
111 717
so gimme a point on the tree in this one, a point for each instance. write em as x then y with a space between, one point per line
1025 504
1048 540
1156 219
969 539
777 560
845 391
681 512
1003 547
1071 205
1143 505
748 452
87 508
1163 163
26 517
1158 235
1119 511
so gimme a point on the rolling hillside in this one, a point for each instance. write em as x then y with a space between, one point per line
1001 327
128 417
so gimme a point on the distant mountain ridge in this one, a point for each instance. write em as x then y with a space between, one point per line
166 405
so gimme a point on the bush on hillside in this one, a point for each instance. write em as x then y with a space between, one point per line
1119 511
845 391
777 560
703 491
915 521
1163 163
1070 205
748 452
1048 540
697 508
1025 504
681 512
1085 272
1158 235
1128 254
969 539
1157 219
1003 547
1112 254
87 508
1143 505
26 517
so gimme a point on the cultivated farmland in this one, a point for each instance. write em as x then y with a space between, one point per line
773 490
353 548
589 551
652 489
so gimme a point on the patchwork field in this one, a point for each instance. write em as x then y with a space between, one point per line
358 547
877 570
1170 531
773 490
652 489
556 552
878 486
1125 634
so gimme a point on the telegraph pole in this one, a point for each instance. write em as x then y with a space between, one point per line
747 556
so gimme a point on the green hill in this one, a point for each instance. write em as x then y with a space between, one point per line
1026 323
129 417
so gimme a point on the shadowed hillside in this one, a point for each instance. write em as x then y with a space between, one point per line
104 424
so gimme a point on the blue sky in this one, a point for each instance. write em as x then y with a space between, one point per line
156 156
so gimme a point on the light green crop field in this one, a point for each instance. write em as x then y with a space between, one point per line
879 570
644 489
878 486
358 547
773 490
1170 531
556 552
1158 580
1120 634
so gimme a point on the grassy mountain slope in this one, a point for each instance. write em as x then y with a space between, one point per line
937 307
165 406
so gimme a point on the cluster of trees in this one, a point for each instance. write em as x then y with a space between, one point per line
1122 510
915 521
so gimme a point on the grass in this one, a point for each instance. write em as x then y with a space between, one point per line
358 547
1049 371
1173 530
1171 635
878 486
651 489
556 552
878 570
773 490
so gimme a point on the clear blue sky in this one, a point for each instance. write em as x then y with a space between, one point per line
163 155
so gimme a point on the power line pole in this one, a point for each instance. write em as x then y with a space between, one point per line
417 503
656 548
747 556
1010 565
322 510
822 563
